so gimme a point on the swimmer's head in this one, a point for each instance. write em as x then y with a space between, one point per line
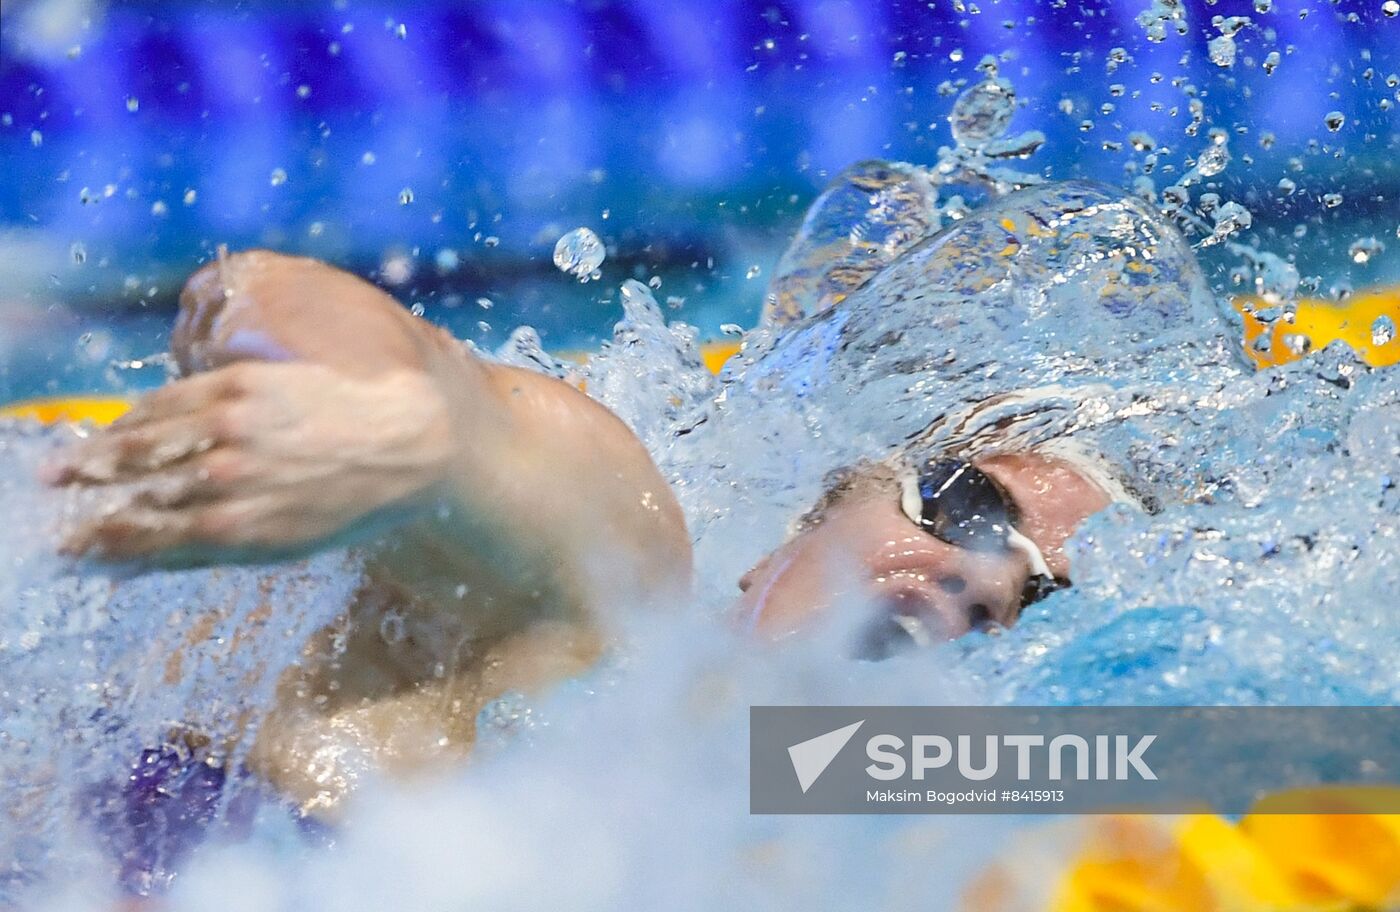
938 548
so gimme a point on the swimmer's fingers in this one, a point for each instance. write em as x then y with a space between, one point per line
130 453
253 528
189 396
129 532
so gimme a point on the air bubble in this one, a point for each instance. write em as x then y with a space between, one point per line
278 177
1331 200
1335 120
1391 8
405 196
579 253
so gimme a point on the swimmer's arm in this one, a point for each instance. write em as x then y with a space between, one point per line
377 416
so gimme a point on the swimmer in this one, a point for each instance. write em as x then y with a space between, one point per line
504 513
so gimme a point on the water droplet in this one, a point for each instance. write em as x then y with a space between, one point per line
1142 142
447 260
405 196
492 241
417 309
159 209
1382 330
1363 250
278 178
79 252
1222 50
133 104
36 139
1297 343
752 272
1271 62
1229 219
1335 120
982 112
367 158
579 253
303 91
190 197
1263 6
955 55
396 269
1212 161
391 627
485 303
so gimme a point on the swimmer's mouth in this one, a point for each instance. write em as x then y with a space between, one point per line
907 619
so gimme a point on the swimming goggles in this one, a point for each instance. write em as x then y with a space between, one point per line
963 506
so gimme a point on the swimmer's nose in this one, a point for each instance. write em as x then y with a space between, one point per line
755 573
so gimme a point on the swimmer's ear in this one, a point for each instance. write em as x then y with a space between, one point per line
910 500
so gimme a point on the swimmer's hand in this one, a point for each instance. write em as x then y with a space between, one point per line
258 460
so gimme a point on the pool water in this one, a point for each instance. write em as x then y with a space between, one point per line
1002 309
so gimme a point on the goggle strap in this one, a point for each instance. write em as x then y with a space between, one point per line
1019 542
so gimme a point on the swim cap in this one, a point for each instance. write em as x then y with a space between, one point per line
1045 314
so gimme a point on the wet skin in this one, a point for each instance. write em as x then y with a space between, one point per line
505 512
866 546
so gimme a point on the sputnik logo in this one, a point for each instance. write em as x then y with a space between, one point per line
810 758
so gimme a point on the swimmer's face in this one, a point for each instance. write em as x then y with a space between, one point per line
924 588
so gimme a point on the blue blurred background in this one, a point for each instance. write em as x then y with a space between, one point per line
442 148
